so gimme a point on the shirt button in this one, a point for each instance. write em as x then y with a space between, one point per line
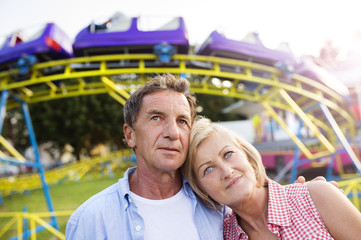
130 199
138 228
125 205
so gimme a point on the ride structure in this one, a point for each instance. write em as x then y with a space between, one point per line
249 49
48 43
241 69
320 109
124 36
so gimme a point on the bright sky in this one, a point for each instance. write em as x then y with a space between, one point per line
304 24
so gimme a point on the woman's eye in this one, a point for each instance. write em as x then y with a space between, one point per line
228 154
207 170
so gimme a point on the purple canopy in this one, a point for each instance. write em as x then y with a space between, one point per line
218 45
50 43
124 36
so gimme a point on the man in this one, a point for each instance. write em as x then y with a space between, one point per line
164 51
152 200
24 64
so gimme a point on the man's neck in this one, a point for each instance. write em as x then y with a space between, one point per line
154 185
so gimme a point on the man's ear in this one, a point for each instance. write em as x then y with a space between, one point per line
129 135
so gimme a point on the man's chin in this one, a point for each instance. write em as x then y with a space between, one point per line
172 166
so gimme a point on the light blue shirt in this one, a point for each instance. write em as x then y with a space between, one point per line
111 214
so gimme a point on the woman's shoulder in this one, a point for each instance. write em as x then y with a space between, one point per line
320 186
322 191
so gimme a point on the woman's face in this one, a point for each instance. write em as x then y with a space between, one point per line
223 170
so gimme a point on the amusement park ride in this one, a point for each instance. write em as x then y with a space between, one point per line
116 57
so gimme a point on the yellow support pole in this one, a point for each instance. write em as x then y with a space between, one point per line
52 87
307 121
49 227
116 97
19 224
26 91
118 94
33 228
11 149
295 139
7 226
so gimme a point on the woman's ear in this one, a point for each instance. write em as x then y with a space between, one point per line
129 135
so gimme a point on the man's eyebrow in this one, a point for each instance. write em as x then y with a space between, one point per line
154 111
185 116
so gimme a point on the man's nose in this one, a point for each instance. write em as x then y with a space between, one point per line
171 130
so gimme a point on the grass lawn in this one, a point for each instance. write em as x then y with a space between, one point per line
66 196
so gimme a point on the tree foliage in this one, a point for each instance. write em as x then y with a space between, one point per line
85 121
212 107
81 121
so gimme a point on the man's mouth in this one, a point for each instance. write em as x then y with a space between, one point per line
169 149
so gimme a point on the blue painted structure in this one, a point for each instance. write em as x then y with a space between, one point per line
3 99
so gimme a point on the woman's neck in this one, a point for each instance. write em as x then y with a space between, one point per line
253 213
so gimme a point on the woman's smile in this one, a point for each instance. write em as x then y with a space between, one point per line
234 182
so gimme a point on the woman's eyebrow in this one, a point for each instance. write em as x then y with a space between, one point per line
203 164
222 149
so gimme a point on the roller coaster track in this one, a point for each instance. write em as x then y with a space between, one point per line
75 171
119 75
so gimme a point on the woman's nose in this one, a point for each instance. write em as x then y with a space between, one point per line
227 171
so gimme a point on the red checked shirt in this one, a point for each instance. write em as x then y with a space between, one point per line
291 215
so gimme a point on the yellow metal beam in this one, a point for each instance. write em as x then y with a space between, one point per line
49 227
118 94
294 138
11 149
307 121
8 226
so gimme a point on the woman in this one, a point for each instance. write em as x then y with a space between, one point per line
222 168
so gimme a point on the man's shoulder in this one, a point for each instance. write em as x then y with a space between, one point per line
97 203
108 197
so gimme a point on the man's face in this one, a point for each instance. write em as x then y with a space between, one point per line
162 129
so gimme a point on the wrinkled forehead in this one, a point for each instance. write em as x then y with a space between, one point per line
167 100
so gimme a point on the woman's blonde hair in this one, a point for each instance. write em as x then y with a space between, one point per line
201 130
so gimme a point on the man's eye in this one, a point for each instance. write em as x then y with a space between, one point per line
208 170
155 118
183 121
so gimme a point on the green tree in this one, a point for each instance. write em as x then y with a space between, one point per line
85 121
82 121
212 107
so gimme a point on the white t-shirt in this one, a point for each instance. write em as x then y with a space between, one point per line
170 218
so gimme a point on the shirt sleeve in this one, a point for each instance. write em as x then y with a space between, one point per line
84 225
